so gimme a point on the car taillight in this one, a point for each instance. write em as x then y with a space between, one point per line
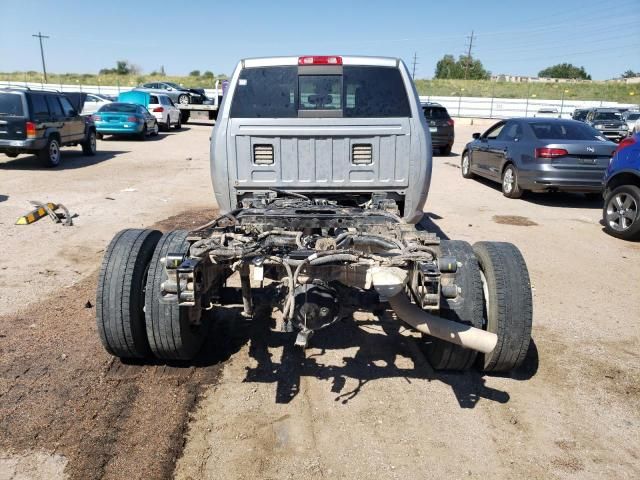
158 109
319 60
133 119
550 152
624 143
97 118
450 122
30 128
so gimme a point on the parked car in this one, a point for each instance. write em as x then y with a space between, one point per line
609 121
40 122
440 126
547 113
165 111
539 155
633 121
621 212
125 119
86 103
580 114
177 93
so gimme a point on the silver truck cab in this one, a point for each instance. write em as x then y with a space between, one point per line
344 128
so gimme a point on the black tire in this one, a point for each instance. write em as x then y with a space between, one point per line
184 116
465 308
184 99
445 151
89 146
142 136
508 304
613 218
178 124
50 154
171 334
11 154
514 191
120 295
466 168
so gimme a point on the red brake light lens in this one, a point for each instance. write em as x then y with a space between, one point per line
320 60
450 122
30 128
624 143
158 109
550 152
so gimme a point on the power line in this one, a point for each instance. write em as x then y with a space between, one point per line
39 36
415 62
466 67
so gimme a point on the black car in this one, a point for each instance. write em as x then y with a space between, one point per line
440 126
539 154
580 114
40 122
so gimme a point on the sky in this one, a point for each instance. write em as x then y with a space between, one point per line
509 37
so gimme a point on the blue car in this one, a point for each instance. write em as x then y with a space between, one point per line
621 212
125 119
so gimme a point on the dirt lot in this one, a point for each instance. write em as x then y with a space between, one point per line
362 402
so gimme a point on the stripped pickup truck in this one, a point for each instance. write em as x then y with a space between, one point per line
321 167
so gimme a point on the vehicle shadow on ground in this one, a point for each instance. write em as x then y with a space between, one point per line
548 199
427 224
173 131
4 198
202 123
131 138
442 155
383 352
70 159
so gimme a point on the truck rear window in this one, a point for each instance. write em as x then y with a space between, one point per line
11 104
436 113
360 92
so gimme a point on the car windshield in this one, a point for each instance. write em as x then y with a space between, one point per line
564 131
11 105
280 92
607 116
436 113
119 107
580 114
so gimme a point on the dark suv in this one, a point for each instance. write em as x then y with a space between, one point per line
609 121
440 126
40 122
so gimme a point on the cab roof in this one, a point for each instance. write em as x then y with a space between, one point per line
346 60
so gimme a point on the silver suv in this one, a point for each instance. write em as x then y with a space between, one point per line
345 127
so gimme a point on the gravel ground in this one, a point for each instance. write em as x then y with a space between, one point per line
361 402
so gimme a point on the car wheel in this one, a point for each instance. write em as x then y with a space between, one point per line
621 213
51 153
89 146
465 165
178 124
183 99
510 187
142 136
155 130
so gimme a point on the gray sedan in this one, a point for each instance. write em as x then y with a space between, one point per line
539 154
175 92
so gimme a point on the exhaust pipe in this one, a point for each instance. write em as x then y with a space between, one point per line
389 282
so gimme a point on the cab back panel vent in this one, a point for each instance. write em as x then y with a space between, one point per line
263 154
361 154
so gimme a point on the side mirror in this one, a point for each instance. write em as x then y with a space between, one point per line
476 136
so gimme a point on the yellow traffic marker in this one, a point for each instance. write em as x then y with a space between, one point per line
36 214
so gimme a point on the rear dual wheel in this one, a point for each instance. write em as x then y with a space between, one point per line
133 322
495 295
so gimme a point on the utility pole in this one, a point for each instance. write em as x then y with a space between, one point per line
415 62
466 67
44 68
